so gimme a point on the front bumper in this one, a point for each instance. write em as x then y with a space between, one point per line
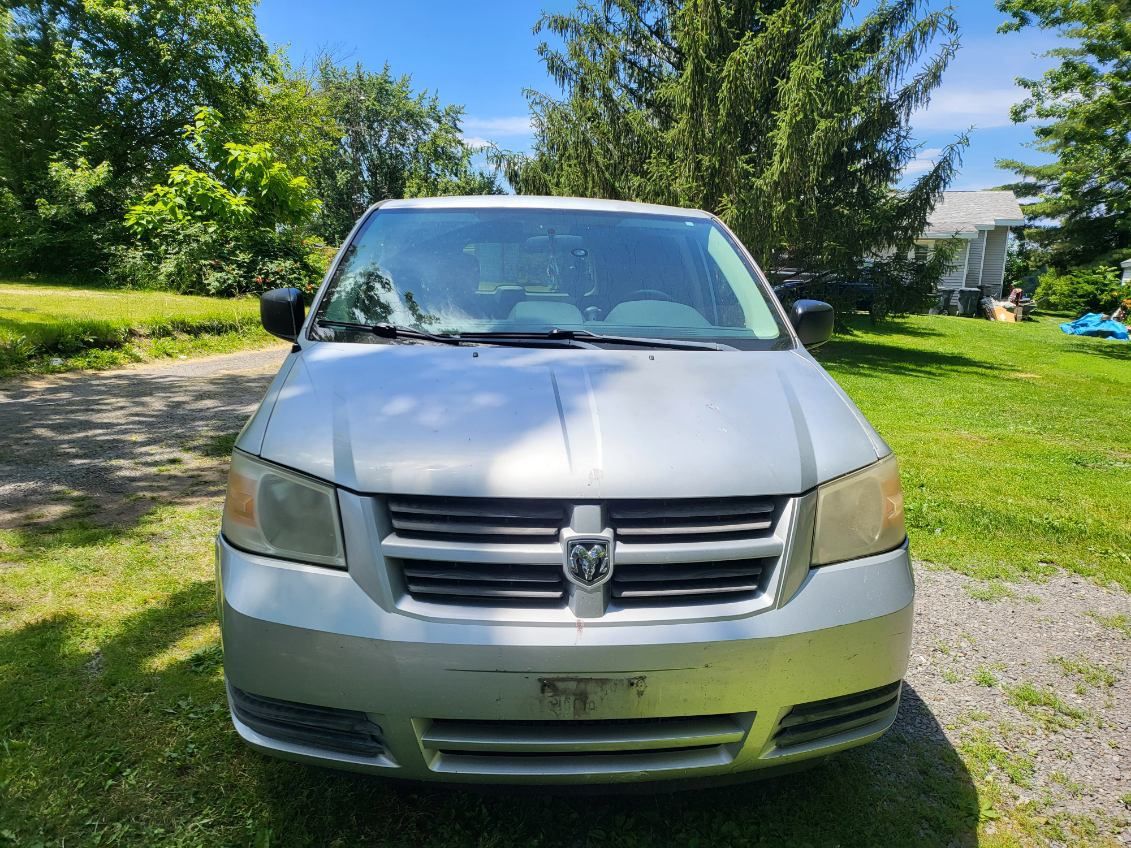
527 702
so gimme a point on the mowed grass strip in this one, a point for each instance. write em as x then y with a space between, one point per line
47 327
1014 441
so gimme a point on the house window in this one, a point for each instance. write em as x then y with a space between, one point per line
922 252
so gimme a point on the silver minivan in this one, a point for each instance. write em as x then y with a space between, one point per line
550 490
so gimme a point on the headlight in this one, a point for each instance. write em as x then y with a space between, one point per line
860 514
280 513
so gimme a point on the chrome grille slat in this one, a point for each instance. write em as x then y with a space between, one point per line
459 528
695 571
580 735
683 591
671 529
693 520
450 581
490 509
443 518
465 590
627 510
456 571
737 578
476 551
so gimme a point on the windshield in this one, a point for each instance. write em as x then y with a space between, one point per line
498 271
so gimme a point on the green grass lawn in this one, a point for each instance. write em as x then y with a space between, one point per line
1014 441
113 726
47 327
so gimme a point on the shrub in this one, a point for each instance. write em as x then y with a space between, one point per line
194 258
1081 290
236 228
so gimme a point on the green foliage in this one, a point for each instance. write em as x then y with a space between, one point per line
93 95
294 117
245 186
392 143
1022 267
1081 106
789 119
1083 290
236 227
63 217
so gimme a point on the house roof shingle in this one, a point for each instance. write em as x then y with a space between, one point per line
966 212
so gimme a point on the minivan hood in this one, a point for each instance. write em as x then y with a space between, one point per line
560 423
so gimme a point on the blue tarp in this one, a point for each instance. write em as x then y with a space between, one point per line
1094 324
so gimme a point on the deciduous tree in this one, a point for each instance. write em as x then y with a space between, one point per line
392 142
1082 109
93 95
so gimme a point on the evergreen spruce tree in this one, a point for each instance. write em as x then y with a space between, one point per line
788 118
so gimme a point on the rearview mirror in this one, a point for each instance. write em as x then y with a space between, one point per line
282 312
813 321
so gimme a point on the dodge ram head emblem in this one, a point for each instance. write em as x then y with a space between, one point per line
587 560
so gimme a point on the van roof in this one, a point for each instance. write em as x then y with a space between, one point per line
525 201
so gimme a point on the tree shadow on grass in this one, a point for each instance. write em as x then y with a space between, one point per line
860 322
865 358
97 735
87 725
1118 351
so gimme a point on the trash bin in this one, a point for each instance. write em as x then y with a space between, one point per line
968 301
942 303
954 305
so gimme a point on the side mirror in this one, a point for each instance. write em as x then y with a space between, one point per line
282 312
813 321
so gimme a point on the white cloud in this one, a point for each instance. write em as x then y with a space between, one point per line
954 108
923 162
476 142
502 126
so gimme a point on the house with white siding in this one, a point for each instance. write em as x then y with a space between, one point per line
981 221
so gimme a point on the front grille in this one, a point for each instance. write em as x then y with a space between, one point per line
329 728
496 582
476 519
820 719
506 552
584 745
695 582
692 520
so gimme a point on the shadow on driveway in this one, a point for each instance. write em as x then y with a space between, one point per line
106 447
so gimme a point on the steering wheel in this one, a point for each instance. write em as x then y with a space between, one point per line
649 294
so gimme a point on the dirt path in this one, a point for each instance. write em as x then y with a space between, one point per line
1028 681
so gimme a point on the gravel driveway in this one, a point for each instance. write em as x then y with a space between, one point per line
1028 681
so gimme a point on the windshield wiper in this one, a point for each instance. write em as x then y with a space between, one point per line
390 331
560 334
399 331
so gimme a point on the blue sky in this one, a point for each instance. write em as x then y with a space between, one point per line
482 55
